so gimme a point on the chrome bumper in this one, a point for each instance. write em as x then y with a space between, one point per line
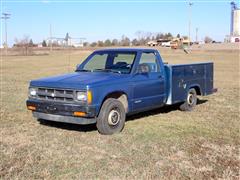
65 119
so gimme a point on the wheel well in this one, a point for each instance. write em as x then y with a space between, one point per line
197 89
121 96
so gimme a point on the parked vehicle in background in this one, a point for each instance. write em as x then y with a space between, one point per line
152 43
113 83
176 44
166 44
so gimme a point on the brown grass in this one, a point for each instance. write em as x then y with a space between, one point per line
161 144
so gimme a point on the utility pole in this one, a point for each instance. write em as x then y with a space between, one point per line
196 35
5 17
50 37
189 23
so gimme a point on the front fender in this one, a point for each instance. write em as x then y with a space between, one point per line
101 92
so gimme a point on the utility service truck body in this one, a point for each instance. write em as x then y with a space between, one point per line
113 83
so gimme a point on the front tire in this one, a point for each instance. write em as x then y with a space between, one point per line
112 117
190 102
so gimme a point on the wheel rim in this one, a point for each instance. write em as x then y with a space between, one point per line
191 99
113 117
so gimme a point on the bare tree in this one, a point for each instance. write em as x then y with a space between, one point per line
31 44
143 37
107 42
23 45
85 44
207 39
125 41
100 43
135 42
115 42
93 44
143 34
139 34
44 44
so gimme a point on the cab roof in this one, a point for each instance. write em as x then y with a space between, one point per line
125 50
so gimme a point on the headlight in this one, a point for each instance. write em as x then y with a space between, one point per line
81 96
32 92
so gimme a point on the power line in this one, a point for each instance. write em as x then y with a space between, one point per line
50 37
196 35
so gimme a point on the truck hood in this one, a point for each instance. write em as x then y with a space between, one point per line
78 80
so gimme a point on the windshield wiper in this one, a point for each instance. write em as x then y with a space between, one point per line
82 70
107 70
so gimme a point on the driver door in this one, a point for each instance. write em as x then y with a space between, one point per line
148 87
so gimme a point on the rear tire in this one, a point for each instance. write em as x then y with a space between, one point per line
111 118
190 102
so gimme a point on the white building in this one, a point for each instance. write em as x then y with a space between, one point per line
235 24
73 42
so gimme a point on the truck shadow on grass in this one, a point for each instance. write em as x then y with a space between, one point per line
161 110
92 127
68 126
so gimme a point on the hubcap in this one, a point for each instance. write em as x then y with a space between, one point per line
113 117
191 99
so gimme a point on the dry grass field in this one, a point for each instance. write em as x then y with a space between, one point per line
161 144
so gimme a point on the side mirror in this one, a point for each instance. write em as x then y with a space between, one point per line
143 69
77 66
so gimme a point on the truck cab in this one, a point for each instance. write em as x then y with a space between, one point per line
113 83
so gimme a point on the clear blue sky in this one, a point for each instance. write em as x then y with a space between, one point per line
101 20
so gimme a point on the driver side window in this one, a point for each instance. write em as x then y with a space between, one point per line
149 60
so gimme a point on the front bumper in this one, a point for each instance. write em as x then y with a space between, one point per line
65 119
62 112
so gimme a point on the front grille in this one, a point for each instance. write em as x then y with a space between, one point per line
55 94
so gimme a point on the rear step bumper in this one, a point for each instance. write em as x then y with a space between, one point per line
214 90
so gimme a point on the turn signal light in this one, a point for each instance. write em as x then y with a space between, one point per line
89 97
33 108
77 113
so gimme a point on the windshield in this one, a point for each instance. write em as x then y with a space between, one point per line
117 62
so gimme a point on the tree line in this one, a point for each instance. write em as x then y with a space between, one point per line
141 39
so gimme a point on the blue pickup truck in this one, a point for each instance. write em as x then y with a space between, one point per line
113 83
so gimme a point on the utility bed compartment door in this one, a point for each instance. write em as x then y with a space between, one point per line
183 77
178 86
209 79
